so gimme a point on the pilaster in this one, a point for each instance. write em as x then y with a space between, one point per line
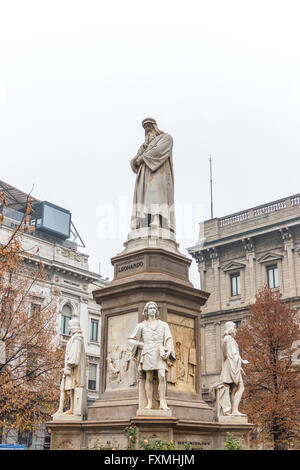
288 244
250 257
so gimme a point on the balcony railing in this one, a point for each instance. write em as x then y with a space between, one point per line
260 211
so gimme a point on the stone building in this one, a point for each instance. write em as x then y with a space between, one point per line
237 256
67 269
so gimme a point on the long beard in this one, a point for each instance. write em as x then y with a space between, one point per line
150 136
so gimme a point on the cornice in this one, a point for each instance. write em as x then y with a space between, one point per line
240 236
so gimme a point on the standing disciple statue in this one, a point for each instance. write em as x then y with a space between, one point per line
152 341
74 374
231 386
153 203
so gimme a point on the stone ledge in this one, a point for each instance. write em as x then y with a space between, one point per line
154 413
233 419
66 417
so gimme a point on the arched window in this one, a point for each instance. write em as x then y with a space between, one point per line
65 318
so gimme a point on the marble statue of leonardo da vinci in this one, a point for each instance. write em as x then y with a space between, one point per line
153 203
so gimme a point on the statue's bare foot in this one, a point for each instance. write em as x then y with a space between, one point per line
237 413
148 407
164 407
68 412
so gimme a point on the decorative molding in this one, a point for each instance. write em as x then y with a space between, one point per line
213 254
68 301
286 235
93 359
68 253
233 266
269 257
248 244
69 295
199 257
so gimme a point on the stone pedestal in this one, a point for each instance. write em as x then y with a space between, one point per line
154 413
155 270
66 417
232 419
140 276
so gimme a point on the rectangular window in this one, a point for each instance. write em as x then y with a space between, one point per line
31 363
94 330
65 325
272 276
35 309
92 376
235 281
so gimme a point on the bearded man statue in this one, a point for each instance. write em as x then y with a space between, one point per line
153 202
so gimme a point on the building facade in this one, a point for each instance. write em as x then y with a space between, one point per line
68 270
237 256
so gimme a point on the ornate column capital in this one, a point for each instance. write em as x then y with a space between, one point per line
248 245
214 256
286 235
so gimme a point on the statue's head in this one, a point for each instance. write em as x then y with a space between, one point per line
152 308
151 129
74 326
230 328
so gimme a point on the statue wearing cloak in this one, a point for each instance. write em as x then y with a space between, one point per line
154 187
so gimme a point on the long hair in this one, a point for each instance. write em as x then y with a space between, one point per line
145 310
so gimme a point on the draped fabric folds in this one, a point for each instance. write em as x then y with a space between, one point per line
154 187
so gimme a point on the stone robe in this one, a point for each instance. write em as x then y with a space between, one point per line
154 187
75 362
232 367
155 340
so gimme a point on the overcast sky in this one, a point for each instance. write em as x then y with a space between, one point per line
78 77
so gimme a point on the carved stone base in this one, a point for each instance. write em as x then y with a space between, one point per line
158 412
66 417
136 241
233 419
161 275
199 435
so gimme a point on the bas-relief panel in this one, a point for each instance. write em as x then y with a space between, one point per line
122 371
182 373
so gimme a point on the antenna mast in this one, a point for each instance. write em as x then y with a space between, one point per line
211 190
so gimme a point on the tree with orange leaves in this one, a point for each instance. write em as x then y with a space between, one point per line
30 357
268 340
